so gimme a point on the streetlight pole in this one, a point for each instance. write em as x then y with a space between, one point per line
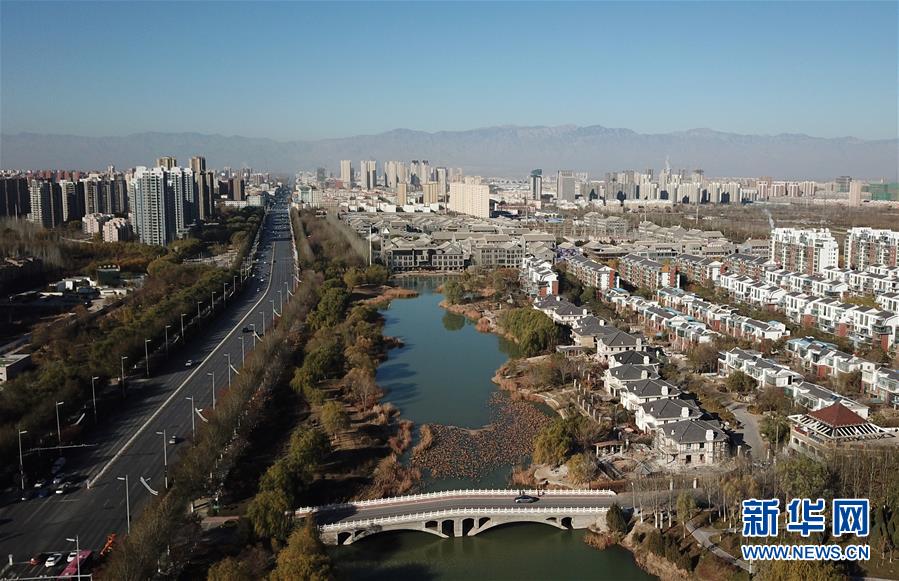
165 457
225 292
124 358
262 314
193 424
212 375
199 314
127 501
253 326
182 327
21 460
58 429
272 301
77 542
94 396
213 303
228 356
280 300
243 354
147 355
167 339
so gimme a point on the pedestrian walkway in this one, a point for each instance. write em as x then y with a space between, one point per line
704 537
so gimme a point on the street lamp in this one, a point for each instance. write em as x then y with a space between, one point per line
147 355
272 301
262 314
182 327
212 375
127 501
58 429
94 396
280 301
21 461
225 292
253 326
243 354
213 302
228 357
193 424
124 358
199 314
77 542
167 339
165 456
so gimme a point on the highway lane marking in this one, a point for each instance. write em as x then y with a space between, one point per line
190 377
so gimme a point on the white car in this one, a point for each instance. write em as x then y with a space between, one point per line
53 560
189 363
71 557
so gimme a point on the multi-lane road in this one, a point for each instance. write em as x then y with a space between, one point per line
126 443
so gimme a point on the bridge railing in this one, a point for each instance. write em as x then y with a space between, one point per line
450 494
460 512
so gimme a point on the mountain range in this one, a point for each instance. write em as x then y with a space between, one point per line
508 151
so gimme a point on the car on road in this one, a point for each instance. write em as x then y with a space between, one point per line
247 330
53 560
173 440
58 479
71 556
40 483
525 499
189 363
64 487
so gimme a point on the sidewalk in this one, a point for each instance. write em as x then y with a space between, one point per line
704 537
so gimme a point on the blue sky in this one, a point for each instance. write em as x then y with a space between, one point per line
291 70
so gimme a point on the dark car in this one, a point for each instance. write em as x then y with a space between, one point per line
525 499
247 330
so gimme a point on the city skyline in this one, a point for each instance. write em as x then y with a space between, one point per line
666 67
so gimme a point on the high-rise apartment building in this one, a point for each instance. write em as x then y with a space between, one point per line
46 203
15 198
154 206
237 187
442 181
346 173
198 164
866 247
809 251
401 194
843 183
431 193
369 174
470 198
166 162
566 185
71 200
181 182
855 193
536 185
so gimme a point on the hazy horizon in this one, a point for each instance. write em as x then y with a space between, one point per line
310 71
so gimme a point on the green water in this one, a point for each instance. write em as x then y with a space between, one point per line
442 375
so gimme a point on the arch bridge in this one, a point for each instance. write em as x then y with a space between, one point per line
459 513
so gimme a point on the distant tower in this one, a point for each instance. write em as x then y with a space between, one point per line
536 183
166 162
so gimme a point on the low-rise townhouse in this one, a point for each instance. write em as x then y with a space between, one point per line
538 277
635 393
692 442
644 357
647 273
616 378
699 269
559 310
746 265
883 383
765 372
654 414
888 302
591 273
814 397
585 330
616 341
